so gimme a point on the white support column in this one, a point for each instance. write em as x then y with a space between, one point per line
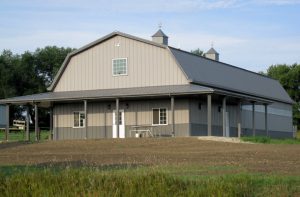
85 119
224 116
239 118
266 119
36 119
117 118
253 118
173 116
7 122
209 114
27 123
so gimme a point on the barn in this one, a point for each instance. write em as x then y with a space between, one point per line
122 86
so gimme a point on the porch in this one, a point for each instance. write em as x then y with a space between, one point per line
173 111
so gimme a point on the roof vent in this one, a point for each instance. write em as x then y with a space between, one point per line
160 37
212 54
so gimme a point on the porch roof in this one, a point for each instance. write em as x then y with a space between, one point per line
110 93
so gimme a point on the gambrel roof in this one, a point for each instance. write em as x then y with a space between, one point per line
206 72
209 75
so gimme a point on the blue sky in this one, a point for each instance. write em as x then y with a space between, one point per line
250 34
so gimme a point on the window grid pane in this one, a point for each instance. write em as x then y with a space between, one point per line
79 119
162 116
82 119
119 67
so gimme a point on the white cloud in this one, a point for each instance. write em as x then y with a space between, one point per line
277 2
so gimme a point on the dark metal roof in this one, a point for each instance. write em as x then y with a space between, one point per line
212 51
111 93
206 72
160 33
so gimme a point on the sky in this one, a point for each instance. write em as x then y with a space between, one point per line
252 34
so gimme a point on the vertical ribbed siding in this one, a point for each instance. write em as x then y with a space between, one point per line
2 116
100 117
275 122
198 117
148 65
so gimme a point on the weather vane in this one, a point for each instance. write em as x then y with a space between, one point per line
160 25
212 44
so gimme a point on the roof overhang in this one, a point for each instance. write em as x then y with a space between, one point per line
239 93
136 92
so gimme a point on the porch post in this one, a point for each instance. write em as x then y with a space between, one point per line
36 125
266 119
117 118
173 116
51 123
224 115
7 122
253 118
27 123
85 119
105 133
239 118
209 114
55 134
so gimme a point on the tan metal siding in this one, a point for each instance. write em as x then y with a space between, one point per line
100 115
148 65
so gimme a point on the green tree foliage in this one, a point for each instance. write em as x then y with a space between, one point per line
289 77
29 73
48 60
198 52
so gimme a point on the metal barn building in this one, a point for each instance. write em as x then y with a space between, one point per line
120 85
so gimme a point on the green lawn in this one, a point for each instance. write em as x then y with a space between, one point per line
139 181
268 140
20 136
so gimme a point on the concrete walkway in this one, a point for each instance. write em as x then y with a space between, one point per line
223 139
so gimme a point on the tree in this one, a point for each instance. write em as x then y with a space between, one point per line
48 60
289 77
29 73
198 52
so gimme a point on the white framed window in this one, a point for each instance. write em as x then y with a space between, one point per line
159 116
119 66
79 119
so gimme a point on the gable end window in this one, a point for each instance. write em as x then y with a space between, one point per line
159 116
119 66
79 119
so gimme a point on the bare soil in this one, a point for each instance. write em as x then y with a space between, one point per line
261 158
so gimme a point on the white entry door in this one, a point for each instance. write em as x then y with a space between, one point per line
121 124
227 125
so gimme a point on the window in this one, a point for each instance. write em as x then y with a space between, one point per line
79 119
119 66
159 116
120 118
